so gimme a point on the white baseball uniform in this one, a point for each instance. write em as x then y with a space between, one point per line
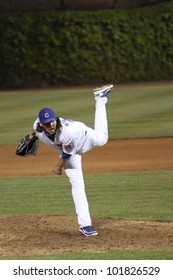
75 138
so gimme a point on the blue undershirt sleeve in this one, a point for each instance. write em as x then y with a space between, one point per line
64 155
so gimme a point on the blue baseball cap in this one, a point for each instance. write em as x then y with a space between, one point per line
47 115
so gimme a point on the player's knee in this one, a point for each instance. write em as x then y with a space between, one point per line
105 140
102 140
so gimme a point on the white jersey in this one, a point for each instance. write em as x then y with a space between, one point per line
69 139
75 138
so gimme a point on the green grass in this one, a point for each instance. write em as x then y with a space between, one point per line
139 195
135 112
142 112
136 196
157 254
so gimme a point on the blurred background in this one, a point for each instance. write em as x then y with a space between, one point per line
40 5
52 43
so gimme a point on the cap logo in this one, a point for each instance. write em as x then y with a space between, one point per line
46 115
68 148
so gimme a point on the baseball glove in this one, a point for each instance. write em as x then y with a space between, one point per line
27 147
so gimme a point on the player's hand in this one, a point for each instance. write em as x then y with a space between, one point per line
58 170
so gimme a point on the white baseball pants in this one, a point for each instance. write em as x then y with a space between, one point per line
73 167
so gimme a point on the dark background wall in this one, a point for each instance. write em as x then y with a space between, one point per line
88 47
12 6
50 48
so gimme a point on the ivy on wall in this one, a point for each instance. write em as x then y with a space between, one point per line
81 48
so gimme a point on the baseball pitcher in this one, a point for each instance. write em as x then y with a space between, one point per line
71 139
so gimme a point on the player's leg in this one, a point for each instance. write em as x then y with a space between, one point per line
100 121
73 170
99 135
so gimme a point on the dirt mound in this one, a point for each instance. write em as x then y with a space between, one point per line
46 234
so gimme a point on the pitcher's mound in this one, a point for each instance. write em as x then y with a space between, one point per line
48 234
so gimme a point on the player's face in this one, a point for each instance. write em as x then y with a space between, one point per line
50 127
